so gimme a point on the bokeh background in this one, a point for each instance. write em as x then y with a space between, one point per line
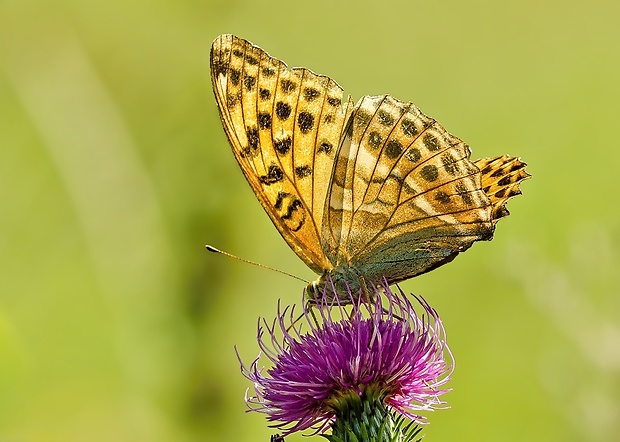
116 325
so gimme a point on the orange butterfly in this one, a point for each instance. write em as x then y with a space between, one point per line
362 191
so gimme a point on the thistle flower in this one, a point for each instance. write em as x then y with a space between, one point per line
375 361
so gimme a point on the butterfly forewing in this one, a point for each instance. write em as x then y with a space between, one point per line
284 127
500 178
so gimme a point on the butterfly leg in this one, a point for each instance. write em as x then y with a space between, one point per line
308 310
372 298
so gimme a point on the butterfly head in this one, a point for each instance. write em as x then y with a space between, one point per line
342 285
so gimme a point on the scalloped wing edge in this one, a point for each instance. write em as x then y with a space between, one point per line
501 177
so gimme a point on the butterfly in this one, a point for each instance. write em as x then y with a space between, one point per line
361 192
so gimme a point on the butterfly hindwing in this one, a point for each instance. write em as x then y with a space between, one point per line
284 126
405 196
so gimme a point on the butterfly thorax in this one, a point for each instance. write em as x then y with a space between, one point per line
342 285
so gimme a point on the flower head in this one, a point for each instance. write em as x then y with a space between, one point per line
381 351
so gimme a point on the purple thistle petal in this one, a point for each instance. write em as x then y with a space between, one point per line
371 347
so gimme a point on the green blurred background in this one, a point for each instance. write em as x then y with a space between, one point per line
116 325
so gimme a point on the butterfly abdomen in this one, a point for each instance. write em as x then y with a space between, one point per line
501 177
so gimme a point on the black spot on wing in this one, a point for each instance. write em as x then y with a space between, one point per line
504 181
442 197
253 139
219 68
431 142
305 121
264 120
413 154
310 93
280 199
374 140
467 199
235 77
283 110
429 172
287 86
498 172
393 149
274 175
292 205
303 171
253 143
283 146
409 128
385 118
362 118
232 99
264 94
295 204
334 101
249 82
268 72
465 195
325 147
450 164
291 212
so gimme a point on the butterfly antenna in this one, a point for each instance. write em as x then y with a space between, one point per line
230 255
